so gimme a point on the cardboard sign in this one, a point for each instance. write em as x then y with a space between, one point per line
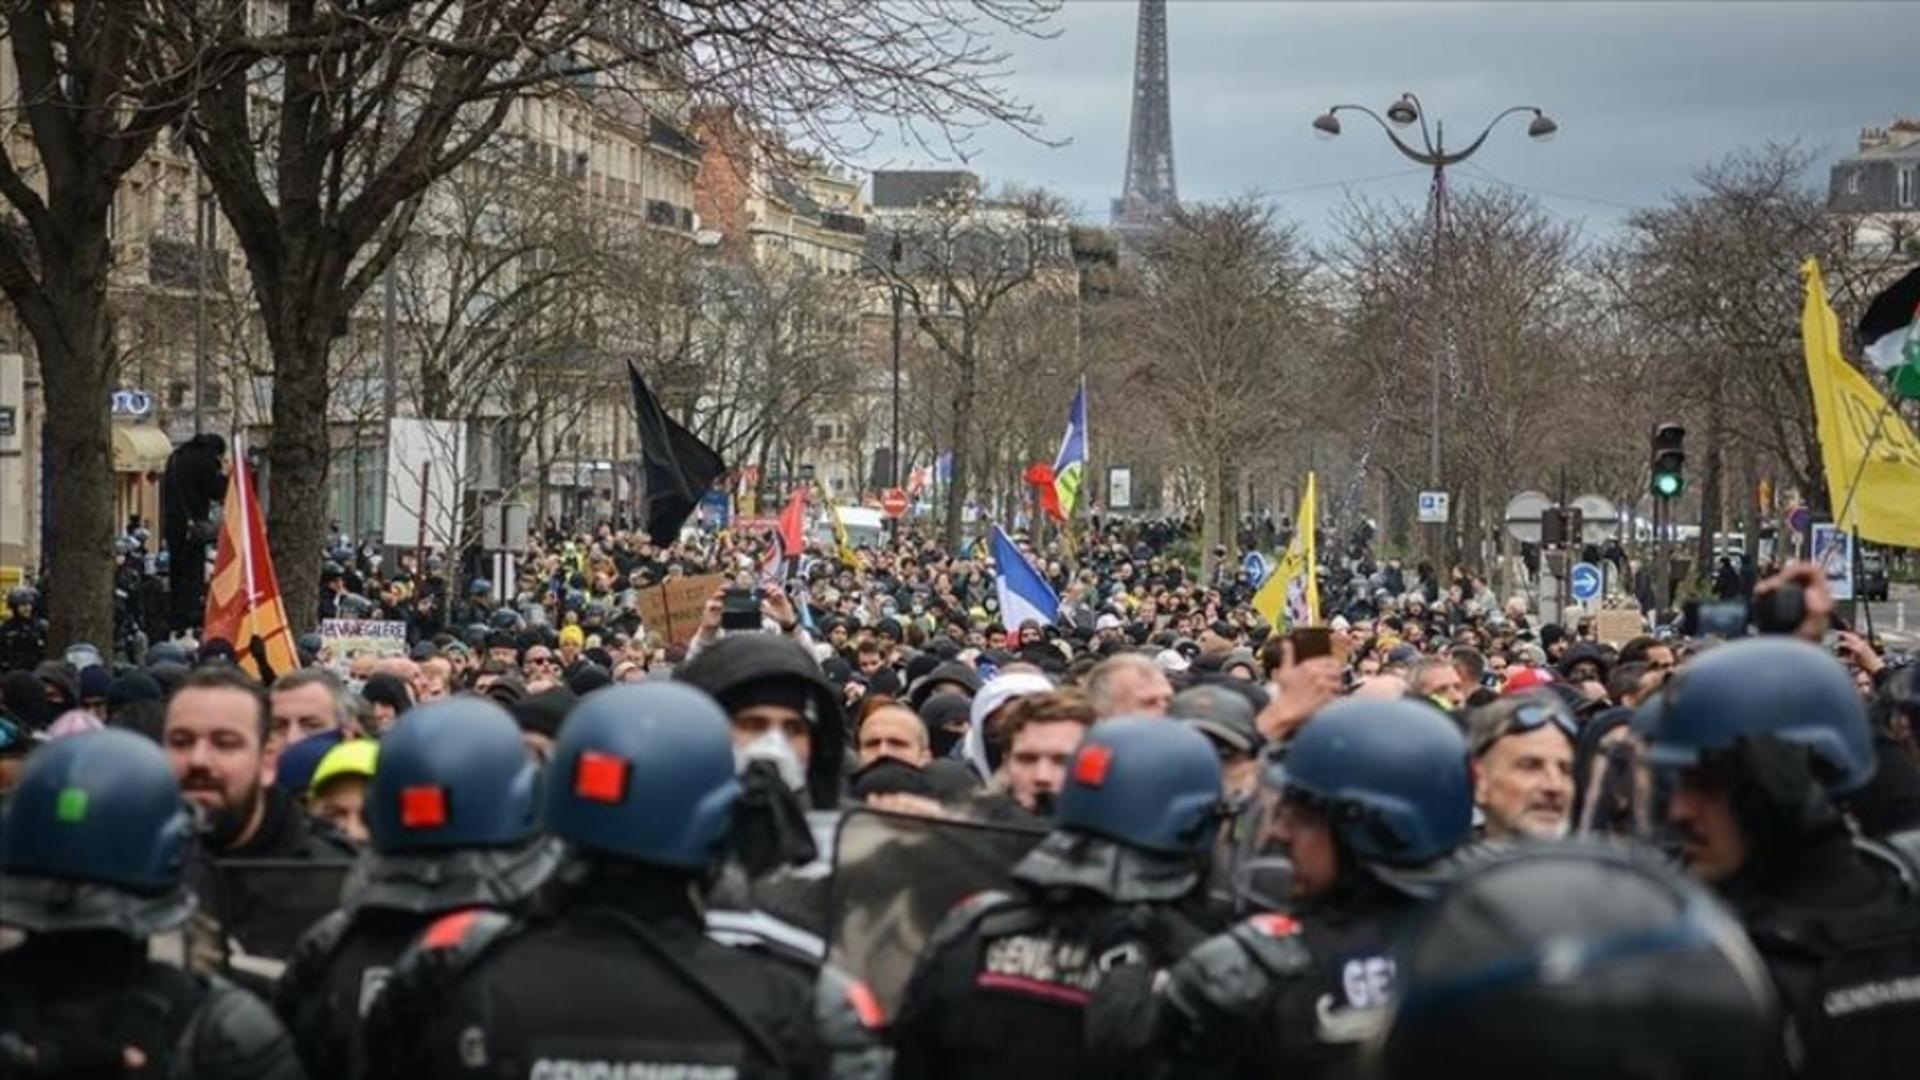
1617 627
672 610
384 637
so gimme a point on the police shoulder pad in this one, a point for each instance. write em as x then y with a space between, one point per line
968 914
1275 943
458 939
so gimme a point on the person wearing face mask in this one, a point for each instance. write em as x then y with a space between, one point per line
616 974
789 733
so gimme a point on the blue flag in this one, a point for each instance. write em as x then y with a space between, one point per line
1023 590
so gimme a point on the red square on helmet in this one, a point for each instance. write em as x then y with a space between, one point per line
423 807
600 777
1090 769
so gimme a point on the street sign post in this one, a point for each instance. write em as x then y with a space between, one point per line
1585 582
895 503
1433 508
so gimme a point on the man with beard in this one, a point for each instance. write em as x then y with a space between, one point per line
1761 741
1523 766
215 736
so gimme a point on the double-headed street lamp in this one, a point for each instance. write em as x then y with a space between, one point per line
1432 152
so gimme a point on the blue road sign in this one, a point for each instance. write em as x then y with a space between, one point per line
1584 581
1257 566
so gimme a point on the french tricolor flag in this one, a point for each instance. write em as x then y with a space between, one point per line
1024 592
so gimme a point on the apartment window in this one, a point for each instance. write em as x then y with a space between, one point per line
1853 182
1906 186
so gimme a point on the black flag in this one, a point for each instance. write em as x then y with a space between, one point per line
678 467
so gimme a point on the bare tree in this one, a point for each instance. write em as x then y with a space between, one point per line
319 159
959 258
1224 330
1714 276
97 88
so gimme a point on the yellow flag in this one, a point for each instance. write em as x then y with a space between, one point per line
1291 597
848 558
1871 458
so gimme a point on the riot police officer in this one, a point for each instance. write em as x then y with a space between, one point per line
23 637
619 974
1370 800
1580 964
1005 987
91 848
454 824
1759 740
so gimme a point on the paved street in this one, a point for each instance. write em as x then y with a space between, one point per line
1897 620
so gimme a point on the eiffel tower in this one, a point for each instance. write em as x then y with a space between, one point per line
1150 191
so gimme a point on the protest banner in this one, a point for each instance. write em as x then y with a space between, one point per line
672 609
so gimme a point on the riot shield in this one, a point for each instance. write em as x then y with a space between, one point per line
257 909
896 876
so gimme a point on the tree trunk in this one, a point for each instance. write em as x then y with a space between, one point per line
963 402
299 457
1212 501
77 374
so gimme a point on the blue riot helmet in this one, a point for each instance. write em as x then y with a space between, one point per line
1775 687
644 772
1146 783
453 774
453 812
1136 818
479 587
1391 777
95 837
1583 964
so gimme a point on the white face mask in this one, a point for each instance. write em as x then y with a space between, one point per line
773 746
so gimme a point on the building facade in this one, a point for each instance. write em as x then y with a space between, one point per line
1878 186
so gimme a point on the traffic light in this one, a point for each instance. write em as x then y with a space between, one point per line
1669 467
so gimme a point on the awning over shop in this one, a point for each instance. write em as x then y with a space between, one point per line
140 448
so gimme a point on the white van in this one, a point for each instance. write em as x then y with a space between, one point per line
866 527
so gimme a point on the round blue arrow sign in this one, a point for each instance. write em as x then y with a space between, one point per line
1584 580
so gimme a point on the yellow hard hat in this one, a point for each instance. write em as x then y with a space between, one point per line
355 757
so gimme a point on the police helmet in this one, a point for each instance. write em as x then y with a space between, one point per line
479 587
1148 783
1391 775
505 619
1766 686
95 837
453 774
21 596
644 771
1585 964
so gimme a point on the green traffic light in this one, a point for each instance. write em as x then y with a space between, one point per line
1666 485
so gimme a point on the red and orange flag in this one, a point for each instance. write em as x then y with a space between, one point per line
243 597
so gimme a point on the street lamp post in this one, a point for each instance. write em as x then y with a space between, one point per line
1433 153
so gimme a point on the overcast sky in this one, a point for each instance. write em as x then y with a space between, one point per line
1644 94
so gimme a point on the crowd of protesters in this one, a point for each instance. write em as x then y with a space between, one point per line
1188 765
